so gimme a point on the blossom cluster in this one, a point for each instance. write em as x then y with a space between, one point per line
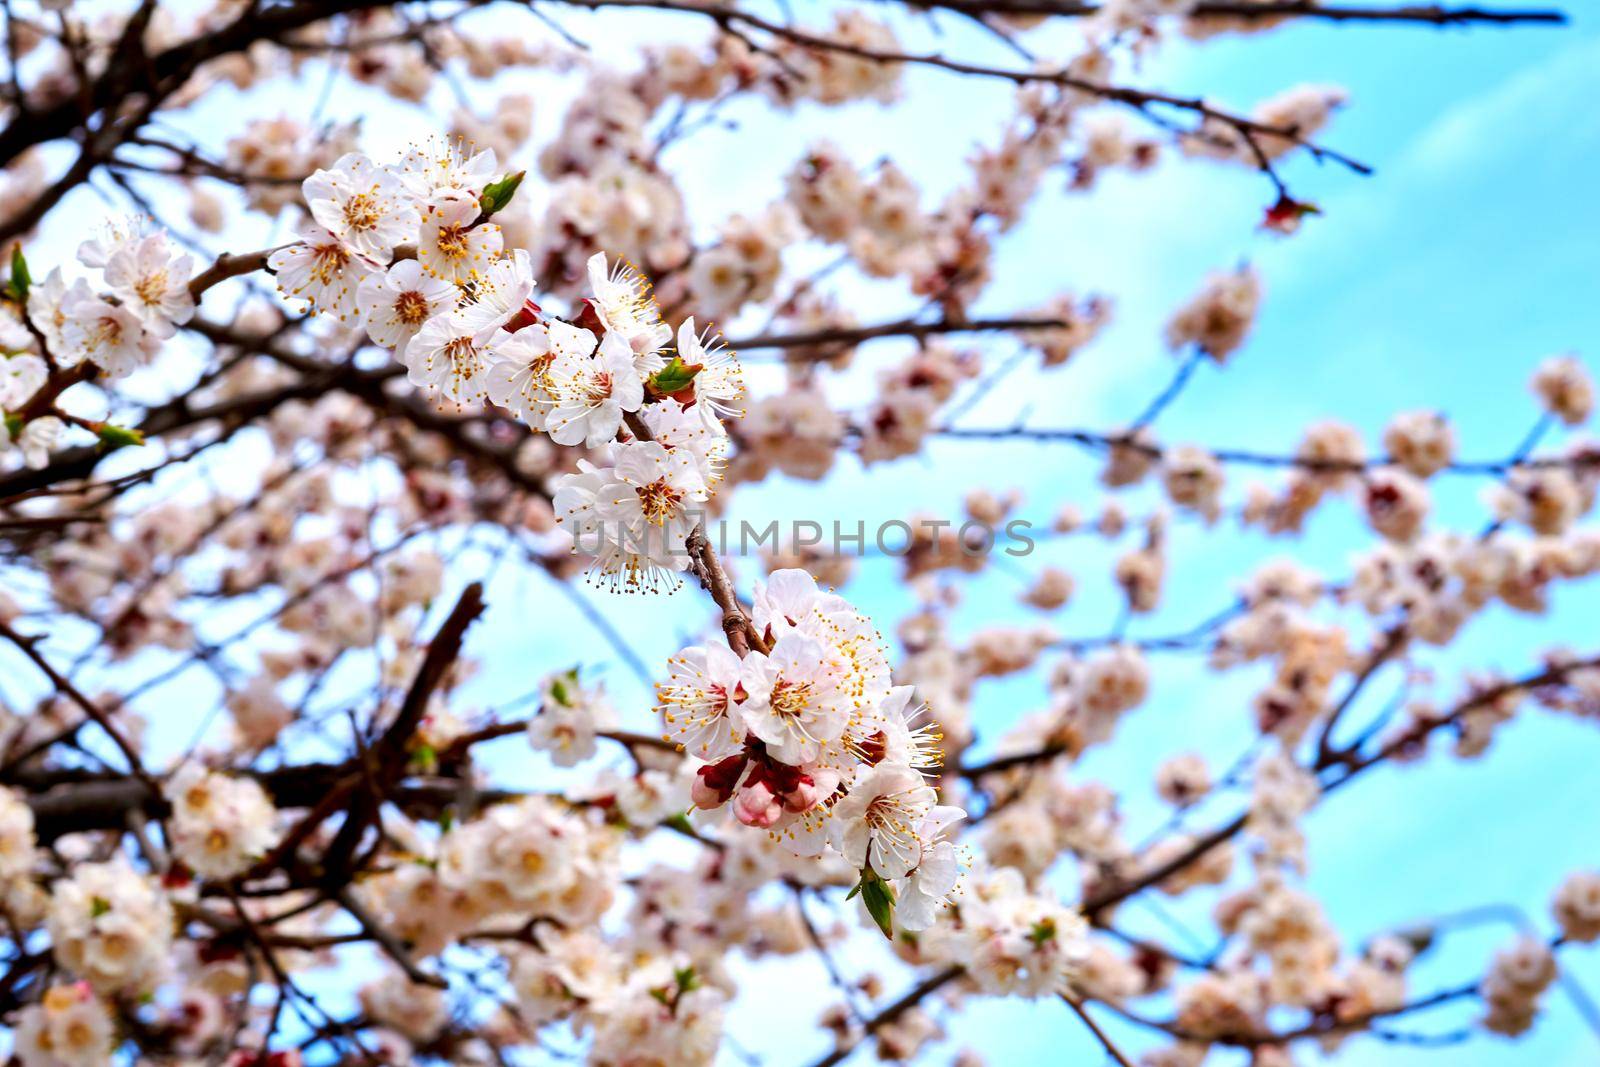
810 741
68 1027
220 825
1518 975
1013 939
524 859
533 391
130 295
570 715
408 252
137 299
112 925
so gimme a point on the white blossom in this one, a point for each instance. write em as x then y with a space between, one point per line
452 246
591 389
395 304
449 358
322 270
152 283
363 205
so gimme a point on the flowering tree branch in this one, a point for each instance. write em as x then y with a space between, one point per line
235 486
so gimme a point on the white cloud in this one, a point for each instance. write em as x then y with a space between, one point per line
1545 108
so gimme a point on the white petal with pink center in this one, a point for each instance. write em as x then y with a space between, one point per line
321 270
794 702
450 247
363 205
592 392
700 702
447 358
394 305
152 283
501 294
879 823
518 374
108 335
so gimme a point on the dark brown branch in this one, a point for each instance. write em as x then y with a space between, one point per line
29 648
371 927
1427 14
846 336
1271 10
167 70
736 622
1006 763
1142 100
1393 641
442 653
229 266
1100 1035
384 764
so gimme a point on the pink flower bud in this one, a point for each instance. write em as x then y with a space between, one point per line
527 315
756 806
715 782
704 795
810 790
803 796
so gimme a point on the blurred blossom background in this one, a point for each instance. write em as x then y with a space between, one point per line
1439 282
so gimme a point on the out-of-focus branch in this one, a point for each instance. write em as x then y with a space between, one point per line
386 939
167 70
1142 100
28 646
1098 440
385 762
1100 900
1272 10
888 1014
910 328
1100 1035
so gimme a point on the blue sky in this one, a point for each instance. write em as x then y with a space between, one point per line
1438 282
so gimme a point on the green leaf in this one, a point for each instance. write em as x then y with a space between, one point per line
98 906
425 758
20 278
674 378
496 195
115 437
13 423
879 899
562 686
680 822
